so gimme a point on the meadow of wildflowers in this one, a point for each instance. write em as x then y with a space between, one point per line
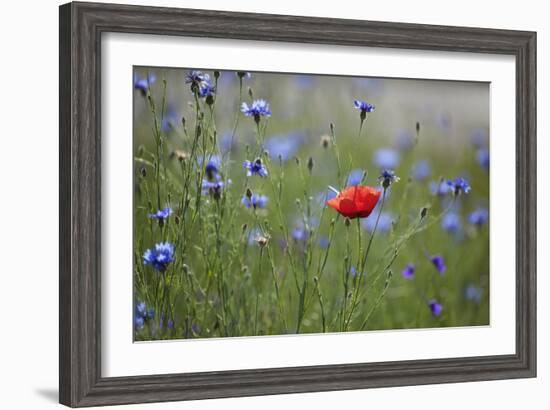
270 204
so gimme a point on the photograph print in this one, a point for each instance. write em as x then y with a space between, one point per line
291 203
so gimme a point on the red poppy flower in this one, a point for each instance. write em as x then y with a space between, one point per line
355 201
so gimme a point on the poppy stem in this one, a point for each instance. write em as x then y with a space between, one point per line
364 261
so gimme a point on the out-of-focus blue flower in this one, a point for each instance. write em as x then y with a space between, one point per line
213 188
197 79
302 229
384 224
141 315
479 138
483 158
439 263
404 141
169 120
143 83
324 242
212 167
304 81
160 256
421 170
387 158
255 201
473 293
284 147
299 234
355 177
479 217
354 273
323 197
408 272
388 177
228 142
259 108
363 106
451 222
440 188
435 307
161 214
139 322
141 309
256 167
459 186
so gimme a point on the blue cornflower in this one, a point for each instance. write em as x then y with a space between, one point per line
284 147
435 307
214 188
160 256
408 272
256 167
459 185
451 222
387 177
421 170
212 167
141 315
254 201
206 89
473 293
300 234
440 188
385 222
387 158
143 83
363 106
259 108
439 263
483 158
161 214
355 177
479 217
197 79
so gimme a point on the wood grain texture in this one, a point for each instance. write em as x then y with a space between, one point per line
81 26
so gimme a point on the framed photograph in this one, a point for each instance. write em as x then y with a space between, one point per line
261 204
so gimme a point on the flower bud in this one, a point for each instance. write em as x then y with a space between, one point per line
310 164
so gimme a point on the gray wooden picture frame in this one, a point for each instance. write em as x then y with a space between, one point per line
81 28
